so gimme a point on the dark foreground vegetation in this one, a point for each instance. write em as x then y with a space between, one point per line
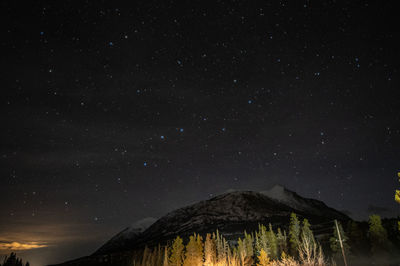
12 260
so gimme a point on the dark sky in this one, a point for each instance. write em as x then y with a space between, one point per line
111 113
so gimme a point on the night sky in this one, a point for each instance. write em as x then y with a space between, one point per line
111 114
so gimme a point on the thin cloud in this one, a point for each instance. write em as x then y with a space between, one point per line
20 246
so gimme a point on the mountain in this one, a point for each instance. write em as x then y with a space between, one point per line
230 213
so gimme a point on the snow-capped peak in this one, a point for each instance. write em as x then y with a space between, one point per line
277 192
281 194
143 224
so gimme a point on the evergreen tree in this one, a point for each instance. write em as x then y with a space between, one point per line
241 250
294 234
194 251
249 242
257 244
209 251
13 260
281 241
272 243
227 251
176 257
145 256
377 235
306 231
221 254
263 238
165 262
263 259
200 247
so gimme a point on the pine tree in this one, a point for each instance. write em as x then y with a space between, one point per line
294 234
281 241
377 235
145 256
200 247
272 243
194 251
306 231
152 257
176 257
257 244
263 259
249 242
165 262
262 233
227 250
209 251
241 250
221 255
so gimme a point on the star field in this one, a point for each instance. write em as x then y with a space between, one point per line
114 113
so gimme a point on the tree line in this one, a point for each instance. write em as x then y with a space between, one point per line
267 246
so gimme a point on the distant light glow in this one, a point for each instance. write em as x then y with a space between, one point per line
21 246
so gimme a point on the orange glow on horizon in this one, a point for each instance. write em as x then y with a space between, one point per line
21 246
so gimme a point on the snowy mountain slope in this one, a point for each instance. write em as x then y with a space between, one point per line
292 199
128 235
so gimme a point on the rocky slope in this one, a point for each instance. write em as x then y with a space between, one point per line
230 213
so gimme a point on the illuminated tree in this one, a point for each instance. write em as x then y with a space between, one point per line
145 256
222 248
176 257
165 262
209 251
249 242
160 256
241 250
200 246
397 194
227 250
306 231
261 240
194 251
263 259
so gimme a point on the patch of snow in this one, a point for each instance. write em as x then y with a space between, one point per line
143 224
277 192
280 194
135 229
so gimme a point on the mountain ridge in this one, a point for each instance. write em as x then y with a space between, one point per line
229 210
231 213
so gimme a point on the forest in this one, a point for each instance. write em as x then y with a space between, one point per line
359 244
